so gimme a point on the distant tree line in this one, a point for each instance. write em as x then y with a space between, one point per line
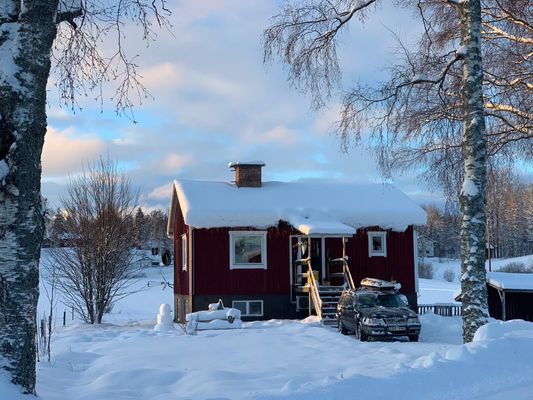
148 229
509 219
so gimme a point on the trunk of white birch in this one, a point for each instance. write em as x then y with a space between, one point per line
473 276
27 32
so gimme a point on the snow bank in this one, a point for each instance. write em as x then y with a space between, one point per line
514 329
311 207
204 316
9 391
219 324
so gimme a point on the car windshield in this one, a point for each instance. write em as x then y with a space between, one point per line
383 300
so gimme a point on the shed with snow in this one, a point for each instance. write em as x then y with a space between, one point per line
510 295
254 244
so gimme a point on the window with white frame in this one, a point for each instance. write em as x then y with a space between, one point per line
249 308
184 252
377 244
247 250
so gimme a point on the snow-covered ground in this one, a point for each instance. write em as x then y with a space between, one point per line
126 359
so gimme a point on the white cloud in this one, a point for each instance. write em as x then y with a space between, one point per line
161 192
173 163
66 153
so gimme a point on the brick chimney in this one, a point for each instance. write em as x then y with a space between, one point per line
247 174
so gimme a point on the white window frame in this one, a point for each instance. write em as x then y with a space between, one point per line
247 314
371 251
184 251
262 264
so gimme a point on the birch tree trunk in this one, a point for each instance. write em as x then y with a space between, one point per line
27 31
474 147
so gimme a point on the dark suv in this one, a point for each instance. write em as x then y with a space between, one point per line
372 313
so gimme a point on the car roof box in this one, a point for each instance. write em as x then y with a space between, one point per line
379 284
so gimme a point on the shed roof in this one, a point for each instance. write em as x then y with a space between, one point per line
311 207
510 281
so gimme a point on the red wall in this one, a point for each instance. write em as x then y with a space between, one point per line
212 274
181 278
398 265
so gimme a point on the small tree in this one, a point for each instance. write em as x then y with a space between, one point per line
95 268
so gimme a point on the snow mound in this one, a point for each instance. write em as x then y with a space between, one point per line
514 329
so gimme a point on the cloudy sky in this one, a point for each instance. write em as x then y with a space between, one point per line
215 102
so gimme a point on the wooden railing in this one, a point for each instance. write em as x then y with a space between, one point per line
314 296
443 309
347 275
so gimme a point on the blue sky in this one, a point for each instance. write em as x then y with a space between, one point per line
215 102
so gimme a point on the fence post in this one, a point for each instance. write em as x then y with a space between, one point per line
64 317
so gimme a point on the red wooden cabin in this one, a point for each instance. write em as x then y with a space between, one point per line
241 241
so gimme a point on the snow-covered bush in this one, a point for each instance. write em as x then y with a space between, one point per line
449 275
425 270
517 267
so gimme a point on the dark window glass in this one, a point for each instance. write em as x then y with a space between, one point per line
256 308
377 245
247 249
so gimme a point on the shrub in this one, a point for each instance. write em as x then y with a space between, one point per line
516 267
425 270
449 275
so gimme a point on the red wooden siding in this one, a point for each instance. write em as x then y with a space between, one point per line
212 274
181 278
398 265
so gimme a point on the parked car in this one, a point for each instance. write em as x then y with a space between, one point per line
376 312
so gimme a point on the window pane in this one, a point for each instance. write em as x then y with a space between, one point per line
247 249
184 252
256 308
241 306
376 244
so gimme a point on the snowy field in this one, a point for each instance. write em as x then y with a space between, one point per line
125 359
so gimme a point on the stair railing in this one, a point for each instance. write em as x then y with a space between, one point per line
314 295
347 274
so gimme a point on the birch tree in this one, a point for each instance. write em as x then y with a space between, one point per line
304 37
33 33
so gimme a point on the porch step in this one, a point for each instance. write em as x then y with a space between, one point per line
328 321
330 298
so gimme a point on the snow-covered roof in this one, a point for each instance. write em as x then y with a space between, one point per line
510 281
311 207
233 164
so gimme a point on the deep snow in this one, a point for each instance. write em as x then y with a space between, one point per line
126 359
311 207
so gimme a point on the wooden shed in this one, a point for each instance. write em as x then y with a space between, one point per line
510 295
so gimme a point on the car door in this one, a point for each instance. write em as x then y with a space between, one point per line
349 314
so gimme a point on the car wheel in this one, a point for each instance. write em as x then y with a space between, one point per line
341 328
362 336
413 338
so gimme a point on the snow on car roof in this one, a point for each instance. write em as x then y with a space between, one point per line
510 281
311 207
